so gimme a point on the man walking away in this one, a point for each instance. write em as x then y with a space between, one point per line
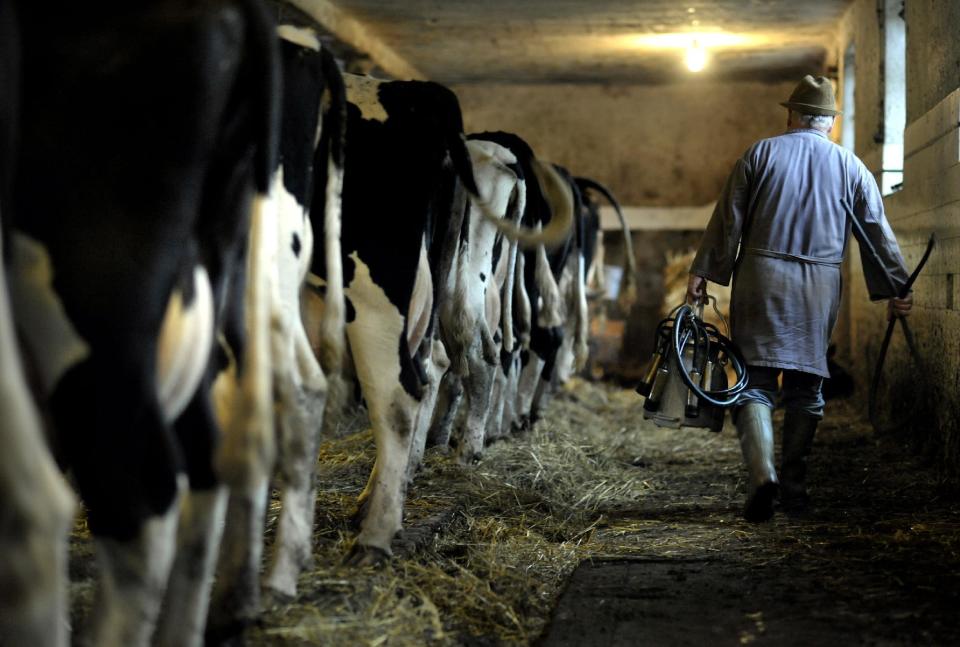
785 207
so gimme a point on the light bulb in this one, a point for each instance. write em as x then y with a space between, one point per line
696 57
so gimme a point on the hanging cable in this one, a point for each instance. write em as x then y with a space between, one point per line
701 351
709 342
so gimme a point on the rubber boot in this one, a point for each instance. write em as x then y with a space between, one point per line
798 432
755 429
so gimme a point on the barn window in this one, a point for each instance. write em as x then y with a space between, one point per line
895 94
848 120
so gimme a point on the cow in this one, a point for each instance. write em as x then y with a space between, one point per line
560 328
470 301
533 280
311 134
572 354
406 164
593 241
129 224
37 503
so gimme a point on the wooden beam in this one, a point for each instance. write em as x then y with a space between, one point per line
353 32
658 218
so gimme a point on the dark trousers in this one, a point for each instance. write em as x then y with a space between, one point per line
801 391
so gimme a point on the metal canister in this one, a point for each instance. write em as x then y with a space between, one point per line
693 402
656 361
656 389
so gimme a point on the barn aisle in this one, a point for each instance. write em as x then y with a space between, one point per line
490 554
875 563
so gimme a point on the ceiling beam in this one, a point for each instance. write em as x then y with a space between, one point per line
348 29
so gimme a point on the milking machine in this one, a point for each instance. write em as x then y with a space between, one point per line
686 383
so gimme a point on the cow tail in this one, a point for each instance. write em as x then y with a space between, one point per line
462 165
580 349
264 56
549 311
519 205
522 298
558 195
629 290
333 345
245 457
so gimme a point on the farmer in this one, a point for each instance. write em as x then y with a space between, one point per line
785 208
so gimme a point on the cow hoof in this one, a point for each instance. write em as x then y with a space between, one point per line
361 556
356 519
469 458
228 630
273 598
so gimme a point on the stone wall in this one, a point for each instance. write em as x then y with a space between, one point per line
665 145
928 202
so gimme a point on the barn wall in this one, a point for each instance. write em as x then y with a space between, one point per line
667 146
928 202
933 45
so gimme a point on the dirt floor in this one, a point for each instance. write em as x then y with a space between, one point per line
490 554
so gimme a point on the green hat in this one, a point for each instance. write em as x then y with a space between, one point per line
813 96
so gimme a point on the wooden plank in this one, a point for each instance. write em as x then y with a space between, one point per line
933 124
352 31
657 218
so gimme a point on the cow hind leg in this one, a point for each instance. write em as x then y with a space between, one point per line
301 428
124 460
526 389
202 511
377 336
509 395
37 509
445 413
235 601
437 365
244 459
477 384
497 399
133 577
188 593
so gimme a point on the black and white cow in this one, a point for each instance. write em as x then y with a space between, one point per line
477 314
572 353
406 165
593 240
536 295
571 356
312 134
470 297
146 129
37 505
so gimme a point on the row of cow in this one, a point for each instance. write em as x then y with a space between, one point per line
210 234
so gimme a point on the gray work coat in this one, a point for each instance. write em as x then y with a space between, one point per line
780 228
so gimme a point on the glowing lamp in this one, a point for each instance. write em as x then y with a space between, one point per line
696 57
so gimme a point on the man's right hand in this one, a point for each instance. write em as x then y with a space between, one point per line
897 307
696 289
